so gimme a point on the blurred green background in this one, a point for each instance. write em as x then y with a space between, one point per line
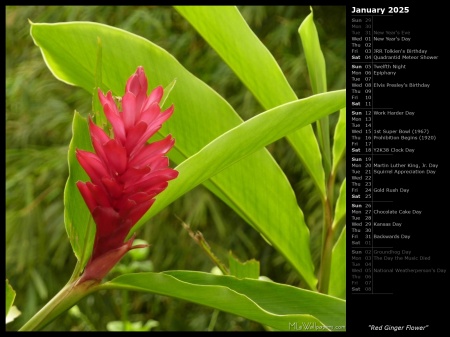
39 111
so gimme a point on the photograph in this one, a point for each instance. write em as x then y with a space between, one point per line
184 168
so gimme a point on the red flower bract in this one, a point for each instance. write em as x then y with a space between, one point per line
126 172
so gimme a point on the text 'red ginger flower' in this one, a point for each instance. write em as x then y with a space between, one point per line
126 172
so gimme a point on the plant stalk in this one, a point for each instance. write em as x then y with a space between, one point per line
327 247
69 295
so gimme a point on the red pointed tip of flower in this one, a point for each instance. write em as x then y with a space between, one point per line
98 268
137 83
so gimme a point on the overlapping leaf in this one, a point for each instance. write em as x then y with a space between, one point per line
318 78
228 33
246 138
340 141
338 283
341 208
279 306
255 188
77 218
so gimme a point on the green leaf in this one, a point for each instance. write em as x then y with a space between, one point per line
317 74
240 142
337 285
245 139
279 306
10 296
313 54
99 115
339 144
79 224
224 28
247 269
255 188
341 205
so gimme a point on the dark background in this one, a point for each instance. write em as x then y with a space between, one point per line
412 298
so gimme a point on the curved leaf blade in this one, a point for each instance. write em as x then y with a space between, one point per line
269 303
78 221
337 286
329 310
247 138
338 274
339 144
340 210
224 28
317 74
313 54
240 142
70 50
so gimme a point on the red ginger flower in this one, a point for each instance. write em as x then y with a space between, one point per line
126 172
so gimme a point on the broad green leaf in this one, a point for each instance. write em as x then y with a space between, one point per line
77 218
9 297
247 269
243 140
248 137
224 28
337 285
255 188
317 74
240 142
329 310
276 305
339 144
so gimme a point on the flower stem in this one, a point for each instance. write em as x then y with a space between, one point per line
70 294
327 248
213 321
